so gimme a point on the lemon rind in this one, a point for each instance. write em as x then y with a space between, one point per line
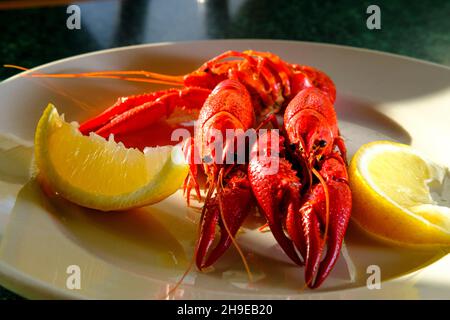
393 146
360 182
151 193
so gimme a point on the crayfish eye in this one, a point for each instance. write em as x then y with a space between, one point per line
293 146
322 143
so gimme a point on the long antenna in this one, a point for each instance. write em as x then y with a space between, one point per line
148 77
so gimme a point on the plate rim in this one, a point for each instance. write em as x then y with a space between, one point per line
26 286
187 42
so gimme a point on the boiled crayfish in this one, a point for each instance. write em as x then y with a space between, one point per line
306 202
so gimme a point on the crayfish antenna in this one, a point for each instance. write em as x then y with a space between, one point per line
146 76
236 245
180 281
80 103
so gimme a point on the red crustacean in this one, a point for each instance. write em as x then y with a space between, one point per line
317 217
271 82
278 193
306 202
229 106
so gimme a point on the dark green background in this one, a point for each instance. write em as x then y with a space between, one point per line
31 37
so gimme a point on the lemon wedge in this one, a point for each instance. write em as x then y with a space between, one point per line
102 174
392 188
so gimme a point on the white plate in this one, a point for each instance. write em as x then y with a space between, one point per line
139 254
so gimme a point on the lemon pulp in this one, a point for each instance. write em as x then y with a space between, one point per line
102 174
391 195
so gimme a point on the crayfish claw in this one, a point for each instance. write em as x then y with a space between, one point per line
285 243
277 194
228 209
314 243
340 210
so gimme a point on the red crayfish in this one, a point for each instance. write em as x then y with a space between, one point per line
306 202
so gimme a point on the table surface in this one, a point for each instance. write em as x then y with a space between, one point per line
33 36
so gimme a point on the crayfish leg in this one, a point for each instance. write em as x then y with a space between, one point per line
192 157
